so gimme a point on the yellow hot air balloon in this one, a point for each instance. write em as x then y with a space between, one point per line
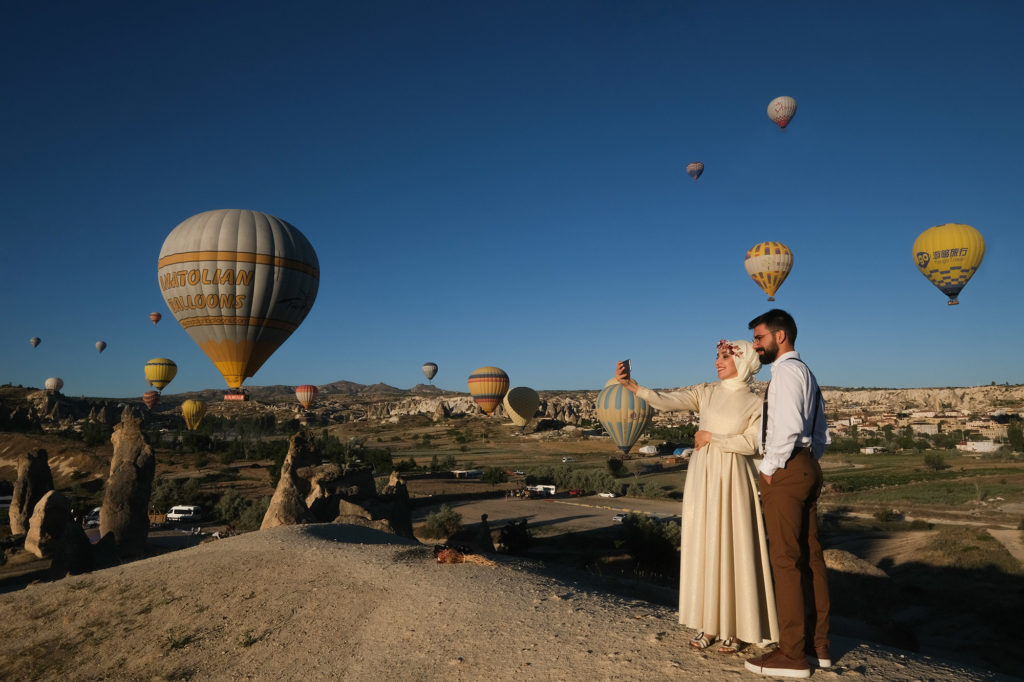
488 385
622 414
160 371
193 411
239 282
768 264
949 255
521 405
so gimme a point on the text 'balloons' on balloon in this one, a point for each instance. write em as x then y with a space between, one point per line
695 170
521 405
150 398
781 110
155 317
306 395
160 372
193 411
949 255
101 346
430 370
54 384
622 414
488 386
239 282
768 264
35 340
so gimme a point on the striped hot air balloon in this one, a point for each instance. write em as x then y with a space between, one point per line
160 372
781 110
949 255
623 415
239 282
768 264
430 370
193 411
155 317
150 398
306 395
488 385
54 384
521 405
694 170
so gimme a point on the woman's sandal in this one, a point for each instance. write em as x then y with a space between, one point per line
701 641
730 645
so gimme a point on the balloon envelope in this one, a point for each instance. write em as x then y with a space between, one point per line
781 110
488 385
521 405
193 411
54 384
695 169
34 341
622 414
150 398
239 282
429 370
155 317
101 345
306 395
768 264
949 255
160 372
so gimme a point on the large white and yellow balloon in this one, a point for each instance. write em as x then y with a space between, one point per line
622 414
768 264
239 282
521 405
949 255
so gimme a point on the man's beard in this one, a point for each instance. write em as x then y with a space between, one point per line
768 354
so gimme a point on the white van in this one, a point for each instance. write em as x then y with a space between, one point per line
185 512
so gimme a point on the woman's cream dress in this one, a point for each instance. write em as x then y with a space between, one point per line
725 582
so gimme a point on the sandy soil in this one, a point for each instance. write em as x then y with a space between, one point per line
341 602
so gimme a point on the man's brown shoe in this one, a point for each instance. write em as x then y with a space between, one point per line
778 664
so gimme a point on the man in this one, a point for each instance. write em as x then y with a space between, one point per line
793 437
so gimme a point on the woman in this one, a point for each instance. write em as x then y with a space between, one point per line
725 584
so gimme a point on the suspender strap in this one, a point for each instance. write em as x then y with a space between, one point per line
764 413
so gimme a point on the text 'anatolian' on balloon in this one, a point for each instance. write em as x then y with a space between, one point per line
182 278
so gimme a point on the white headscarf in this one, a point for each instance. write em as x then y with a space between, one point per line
747 363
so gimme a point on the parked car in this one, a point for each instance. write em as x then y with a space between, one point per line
620 517
92 519
185 512
568 459
607 493
576 492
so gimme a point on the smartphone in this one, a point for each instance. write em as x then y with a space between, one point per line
626 363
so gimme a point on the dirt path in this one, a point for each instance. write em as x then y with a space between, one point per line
1011 540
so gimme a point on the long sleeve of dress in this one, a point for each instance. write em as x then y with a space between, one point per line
688 399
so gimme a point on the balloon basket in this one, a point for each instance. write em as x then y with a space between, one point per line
771 298
953 302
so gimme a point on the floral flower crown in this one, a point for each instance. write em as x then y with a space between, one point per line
732 348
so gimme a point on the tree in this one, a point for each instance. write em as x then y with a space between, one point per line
443 523
1015 435
935 461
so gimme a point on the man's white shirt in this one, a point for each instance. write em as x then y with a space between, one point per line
793 405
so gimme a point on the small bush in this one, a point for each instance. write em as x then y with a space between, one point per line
888 515
443 523
494 475
515 537
935 461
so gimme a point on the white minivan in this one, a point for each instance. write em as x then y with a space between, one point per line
185 512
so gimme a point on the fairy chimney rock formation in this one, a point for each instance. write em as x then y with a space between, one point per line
46 527
288 505
34 481
126 498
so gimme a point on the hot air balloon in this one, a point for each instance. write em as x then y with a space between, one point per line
155 317
306 395
54 384
695 169
193 411
488 385
101 345
150 398
160 371
768 264
521 405
239 282
34 341
781 110
429 370
623 415
949 255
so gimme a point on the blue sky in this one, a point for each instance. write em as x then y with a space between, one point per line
503 183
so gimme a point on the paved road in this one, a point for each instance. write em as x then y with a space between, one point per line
571 513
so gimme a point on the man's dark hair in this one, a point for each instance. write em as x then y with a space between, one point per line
777 320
